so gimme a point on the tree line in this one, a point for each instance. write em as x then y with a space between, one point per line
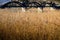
38 0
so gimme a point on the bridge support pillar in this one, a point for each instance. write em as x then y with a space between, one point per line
23 9
40 10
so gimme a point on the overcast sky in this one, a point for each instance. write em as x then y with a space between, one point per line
4 1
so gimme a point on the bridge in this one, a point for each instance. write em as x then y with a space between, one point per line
26 4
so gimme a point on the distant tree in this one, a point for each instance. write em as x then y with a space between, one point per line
57 0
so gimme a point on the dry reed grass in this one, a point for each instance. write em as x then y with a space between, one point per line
29 25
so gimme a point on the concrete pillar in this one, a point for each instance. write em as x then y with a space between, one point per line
23 9
39 9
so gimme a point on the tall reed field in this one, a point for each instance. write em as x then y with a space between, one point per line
31 24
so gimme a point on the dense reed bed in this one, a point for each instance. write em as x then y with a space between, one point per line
29 25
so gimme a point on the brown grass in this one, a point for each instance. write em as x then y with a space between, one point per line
29 25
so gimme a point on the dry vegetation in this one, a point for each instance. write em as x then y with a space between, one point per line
29 25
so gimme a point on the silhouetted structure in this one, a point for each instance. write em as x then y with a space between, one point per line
27 3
